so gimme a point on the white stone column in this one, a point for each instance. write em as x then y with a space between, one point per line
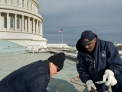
15 22
0 22
20 3
26 25
29 25
22 23
14 2
8 2
37 27
25 3
33 26
40 28
8 22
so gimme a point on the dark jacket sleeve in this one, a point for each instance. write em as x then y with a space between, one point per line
82 69
38 83
114 59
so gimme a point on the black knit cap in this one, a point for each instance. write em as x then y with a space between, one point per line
87 34
58 60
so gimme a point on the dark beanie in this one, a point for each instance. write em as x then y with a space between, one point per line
58 60
87 35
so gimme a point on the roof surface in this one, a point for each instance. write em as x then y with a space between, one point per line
58 83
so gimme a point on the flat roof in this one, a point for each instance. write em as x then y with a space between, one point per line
58 83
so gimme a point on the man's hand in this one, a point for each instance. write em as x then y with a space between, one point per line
90 85
109 78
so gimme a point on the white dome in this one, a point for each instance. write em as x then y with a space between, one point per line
20 22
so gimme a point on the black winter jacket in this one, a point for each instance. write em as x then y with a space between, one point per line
30 78
106 57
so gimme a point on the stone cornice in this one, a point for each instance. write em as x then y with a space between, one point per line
19 32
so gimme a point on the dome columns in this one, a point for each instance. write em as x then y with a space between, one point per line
33 26
41 28
15 23
8 22
20 23
37 27
29 25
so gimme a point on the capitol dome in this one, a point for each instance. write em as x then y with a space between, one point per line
21 23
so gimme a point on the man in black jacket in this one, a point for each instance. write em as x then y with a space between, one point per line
98 63
33 77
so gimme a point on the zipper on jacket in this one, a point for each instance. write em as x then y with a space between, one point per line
91 58
94 61
94 64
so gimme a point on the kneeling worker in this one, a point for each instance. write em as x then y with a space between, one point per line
33 77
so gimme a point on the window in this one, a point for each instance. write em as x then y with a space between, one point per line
5 22
18 23
11 22
11 1
18 2
22 3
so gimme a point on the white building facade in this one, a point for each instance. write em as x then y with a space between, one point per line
21 23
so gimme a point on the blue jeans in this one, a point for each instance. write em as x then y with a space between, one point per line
116 88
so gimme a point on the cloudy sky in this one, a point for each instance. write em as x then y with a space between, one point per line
103 17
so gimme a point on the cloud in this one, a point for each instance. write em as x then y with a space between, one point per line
101 16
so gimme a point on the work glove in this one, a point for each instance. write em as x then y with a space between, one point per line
90 85
109 78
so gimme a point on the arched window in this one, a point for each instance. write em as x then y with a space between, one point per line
11 22
5 22
18 23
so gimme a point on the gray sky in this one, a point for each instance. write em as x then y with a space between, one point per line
103 17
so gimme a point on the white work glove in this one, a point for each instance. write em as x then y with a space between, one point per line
90 85
109 78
